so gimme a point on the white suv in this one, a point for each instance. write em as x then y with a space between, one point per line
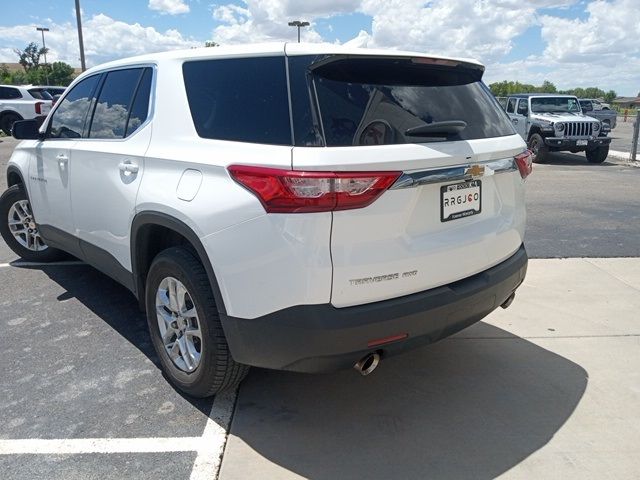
19 103
288 206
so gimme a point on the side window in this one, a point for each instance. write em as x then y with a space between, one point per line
113 103
523 107
239 99
68 119
8 93
140 105
511 106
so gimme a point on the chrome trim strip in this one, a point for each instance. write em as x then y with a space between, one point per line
452 174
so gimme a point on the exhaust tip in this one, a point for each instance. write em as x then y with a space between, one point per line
509 300
368 364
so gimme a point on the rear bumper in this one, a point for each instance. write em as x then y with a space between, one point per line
316 338
565 143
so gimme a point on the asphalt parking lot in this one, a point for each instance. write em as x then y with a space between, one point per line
548 388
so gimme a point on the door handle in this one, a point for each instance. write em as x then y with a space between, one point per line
62 160
514 121
128 167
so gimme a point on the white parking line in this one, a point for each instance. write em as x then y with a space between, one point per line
97 445
41 264
209 446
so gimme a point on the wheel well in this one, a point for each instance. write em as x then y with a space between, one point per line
151 239
10 112
13 178
533 131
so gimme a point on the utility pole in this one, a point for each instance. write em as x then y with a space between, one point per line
299 24
636 133
79 19
44 48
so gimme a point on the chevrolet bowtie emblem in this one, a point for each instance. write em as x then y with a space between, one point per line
475 170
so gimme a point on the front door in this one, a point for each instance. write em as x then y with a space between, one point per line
50 167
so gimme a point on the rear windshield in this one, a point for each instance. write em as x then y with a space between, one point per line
40 94
374 101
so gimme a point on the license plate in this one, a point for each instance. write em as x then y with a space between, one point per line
460 200
581 143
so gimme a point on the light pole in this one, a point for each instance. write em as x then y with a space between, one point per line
79 20
44 48
299 24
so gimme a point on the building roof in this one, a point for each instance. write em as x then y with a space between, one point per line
626 100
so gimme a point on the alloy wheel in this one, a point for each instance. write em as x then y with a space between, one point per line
24 228
179 324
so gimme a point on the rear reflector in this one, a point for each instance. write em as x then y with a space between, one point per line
385 340
293 191
524 163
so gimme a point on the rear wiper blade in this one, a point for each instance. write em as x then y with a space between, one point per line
437 129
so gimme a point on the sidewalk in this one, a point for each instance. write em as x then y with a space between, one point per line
549 388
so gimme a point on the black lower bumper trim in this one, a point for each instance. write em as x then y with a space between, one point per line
564 143
315 338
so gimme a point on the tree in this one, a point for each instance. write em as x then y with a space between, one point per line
60 73
547 87
211 43
29 58
610 96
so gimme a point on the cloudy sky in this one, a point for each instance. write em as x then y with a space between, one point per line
571 43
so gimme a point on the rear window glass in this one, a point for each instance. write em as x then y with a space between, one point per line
240 99
374 101
114 101
8 93
40 94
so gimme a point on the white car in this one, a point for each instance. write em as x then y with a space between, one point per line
288 206
22 103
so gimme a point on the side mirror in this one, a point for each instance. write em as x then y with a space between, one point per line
27 130
523 111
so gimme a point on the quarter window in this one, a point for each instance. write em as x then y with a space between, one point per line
69 118
113 105
8 93
239 99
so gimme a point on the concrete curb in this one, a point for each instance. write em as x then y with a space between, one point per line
623 156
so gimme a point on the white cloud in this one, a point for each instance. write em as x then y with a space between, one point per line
266 20
169 7
602 50
104 39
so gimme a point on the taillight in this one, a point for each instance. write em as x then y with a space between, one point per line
39 108
524 163
292 191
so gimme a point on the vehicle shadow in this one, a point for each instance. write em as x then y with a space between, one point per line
472 406
115 305
565 158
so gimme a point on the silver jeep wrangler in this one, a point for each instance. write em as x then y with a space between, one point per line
553 123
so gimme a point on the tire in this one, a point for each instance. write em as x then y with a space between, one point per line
538 148
597 155
14 204
7 120
211 369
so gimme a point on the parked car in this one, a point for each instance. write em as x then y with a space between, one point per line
554 123
609 118
21 103
289 206
598 105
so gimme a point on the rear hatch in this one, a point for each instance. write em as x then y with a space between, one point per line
457 207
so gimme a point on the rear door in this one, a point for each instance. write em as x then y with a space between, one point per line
108 165
458 206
